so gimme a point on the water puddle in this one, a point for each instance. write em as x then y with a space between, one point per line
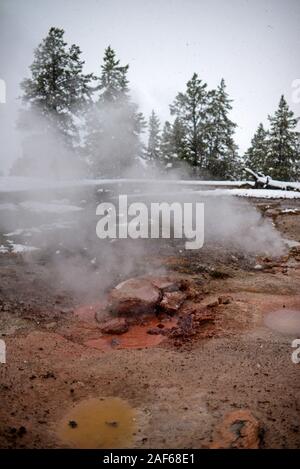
286 321
99 423
136 337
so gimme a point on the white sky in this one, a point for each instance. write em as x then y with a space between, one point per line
253 44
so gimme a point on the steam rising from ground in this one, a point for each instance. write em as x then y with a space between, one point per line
239 224
81 263
44 151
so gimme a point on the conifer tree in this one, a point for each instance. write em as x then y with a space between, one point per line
166 145
256 155
53 97
283 153
114 125
181 150
173 144
57 90
113 79
153 147
190 109
221 151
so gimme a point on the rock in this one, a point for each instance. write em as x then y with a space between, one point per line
172 301
66 310
165 284
115 326
213 304
239 429
210 302
50 325
224 300
113 423
201 313
48 375
73 424
21 431
272 212
134 296
114 342
204 316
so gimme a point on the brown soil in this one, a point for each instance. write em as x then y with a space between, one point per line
192 378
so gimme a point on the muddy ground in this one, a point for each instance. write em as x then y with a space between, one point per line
181 389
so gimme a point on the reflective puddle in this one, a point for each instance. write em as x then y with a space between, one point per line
99 423
286 321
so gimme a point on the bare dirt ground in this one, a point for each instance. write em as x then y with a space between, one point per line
181 387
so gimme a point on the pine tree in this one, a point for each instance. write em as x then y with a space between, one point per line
167 150
57 90
113 79
114 125
256 155
190 109
283 155
153 148
172 145
221 151
181 150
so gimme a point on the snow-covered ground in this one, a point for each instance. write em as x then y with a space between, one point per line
28 232
224 188
16 248
16 184
42 207
258 193
290 210
51 207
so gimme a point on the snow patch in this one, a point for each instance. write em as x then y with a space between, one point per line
49 207
16 184
21 248
40 229
290 210
257 193
14 248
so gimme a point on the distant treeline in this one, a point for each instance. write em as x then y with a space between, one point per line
86 124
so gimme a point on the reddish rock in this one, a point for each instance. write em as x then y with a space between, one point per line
165 284
239 429
115 326
213 304
185 327
172 301
224 300
134 296
200 313
210 302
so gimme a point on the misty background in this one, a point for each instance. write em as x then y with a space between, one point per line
253 45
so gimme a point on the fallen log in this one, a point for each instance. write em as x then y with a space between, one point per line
266 182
